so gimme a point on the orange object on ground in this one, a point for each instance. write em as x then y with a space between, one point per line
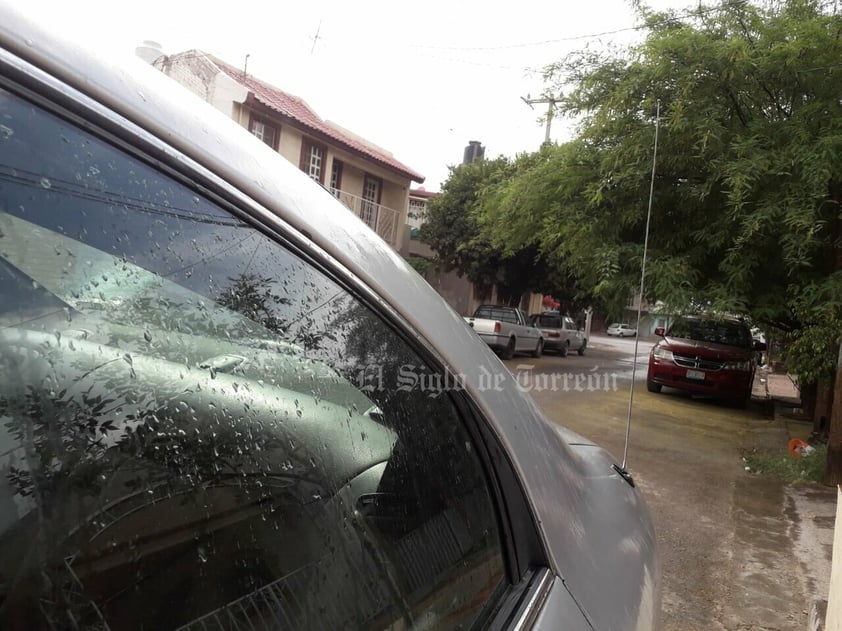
797 447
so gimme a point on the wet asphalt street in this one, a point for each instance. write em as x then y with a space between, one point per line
735 550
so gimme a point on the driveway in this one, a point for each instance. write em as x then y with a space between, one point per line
739 551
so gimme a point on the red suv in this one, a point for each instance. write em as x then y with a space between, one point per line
707 356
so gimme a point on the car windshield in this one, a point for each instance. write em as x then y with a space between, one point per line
713 331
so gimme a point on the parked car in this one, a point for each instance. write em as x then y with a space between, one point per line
560 333
621 330
227 403
506 330
713 356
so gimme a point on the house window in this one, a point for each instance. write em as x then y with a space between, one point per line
417 211
313 157
371 200
336 177
316 159
265 132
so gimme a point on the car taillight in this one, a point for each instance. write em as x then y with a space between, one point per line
555 334
497 327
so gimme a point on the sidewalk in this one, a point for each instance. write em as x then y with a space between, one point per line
812 509
776 387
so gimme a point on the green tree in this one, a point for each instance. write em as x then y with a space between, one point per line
455 232
748 186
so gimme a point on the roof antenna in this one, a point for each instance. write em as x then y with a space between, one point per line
622 470
246 66
316 37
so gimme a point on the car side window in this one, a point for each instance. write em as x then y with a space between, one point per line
199 429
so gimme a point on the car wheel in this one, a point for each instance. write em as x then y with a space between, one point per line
652 386
582 348
509 351
539 349
564 348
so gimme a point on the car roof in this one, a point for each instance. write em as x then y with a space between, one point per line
157 105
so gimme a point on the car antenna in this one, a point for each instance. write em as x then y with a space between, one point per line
622 470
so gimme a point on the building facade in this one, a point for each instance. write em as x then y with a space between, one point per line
366 178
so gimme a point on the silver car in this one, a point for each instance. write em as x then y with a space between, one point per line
621 330
226 403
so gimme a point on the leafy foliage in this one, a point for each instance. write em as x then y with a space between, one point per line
748 185
419 263
454 229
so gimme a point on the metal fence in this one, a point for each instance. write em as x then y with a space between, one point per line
382 219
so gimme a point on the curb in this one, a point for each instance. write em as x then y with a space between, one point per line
818 611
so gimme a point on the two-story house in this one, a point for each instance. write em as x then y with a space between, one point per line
366 178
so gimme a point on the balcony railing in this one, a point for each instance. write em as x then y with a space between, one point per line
382 219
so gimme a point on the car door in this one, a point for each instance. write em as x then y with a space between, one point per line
573 334
207 425
526 333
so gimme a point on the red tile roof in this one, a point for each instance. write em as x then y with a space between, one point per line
422 192
296 109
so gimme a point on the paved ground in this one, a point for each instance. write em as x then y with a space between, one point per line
739 551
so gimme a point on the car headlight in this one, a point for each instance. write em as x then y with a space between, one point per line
662 353
744 366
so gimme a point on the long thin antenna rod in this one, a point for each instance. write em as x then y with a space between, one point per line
316 37
642 278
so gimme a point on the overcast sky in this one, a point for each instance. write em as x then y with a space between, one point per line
420 79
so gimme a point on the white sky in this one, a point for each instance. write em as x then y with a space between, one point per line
419 79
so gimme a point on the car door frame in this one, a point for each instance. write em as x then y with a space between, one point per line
528 581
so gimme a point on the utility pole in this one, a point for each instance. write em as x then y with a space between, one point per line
550 101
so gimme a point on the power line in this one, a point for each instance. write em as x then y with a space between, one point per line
573 38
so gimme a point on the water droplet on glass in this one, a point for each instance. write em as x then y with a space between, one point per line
203 557
45 183
6 132
147 336
93 172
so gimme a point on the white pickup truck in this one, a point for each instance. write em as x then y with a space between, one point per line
507 330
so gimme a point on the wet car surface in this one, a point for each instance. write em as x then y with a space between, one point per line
227 403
